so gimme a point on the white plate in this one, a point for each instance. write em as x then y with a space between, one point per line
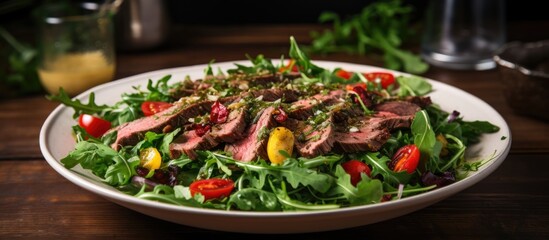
56 141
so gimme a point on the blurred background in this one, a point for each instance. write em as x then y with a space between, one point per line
260 12
17 17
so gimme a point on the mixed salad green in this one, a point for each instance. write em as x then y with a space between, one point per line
428 155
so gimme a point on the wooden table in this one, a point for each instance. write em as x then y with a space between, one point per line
36 202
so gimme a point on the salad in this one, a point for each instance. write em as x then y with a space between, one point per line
270 136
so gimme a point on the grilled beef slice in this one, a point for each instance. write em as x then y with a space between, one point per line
233 129
189 141
230 131
401 108
313 141
421 101
273 94
303 109
132 132
253 145
369 133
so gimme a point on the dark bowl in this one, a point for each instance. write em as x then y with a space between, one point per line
524 70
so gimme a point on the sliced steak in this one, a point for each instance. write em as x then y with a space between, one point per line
401 108
253 145
188 142
233 129
369 133
366 139
392 121
305 108
346 111
292 124
132 132
186 88
315 141
421 101
273 94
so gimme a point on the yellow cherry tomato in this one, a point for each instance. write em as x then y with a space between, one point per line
150 158
280 138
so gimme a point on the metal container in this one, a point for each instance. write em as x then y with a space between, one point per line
524 69
141 24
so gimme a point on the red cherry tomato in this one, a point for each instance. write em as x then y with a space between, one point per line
150 107
212 188
93 125
405 159
384 78
343 74
355 168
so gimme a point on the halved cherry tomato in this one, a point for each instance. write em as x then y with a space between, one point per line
343 74
150 158
355 168
93 125
151 107
384 78
291 67
405 159
212 188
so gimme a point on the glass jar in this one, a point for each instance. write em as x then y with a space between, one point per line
77 46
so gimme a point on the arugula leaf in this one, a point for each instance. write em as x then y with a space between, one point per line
21 77
290 170
128 109
302 60
165 144
381 26
296 175
472 130
181 161
425 140
121 171
90 155
320 160
160 141
424 136
367 191
254 199
160 91
293 204
156 91
79 108
396 58
177 195
379 166
413 86
259 64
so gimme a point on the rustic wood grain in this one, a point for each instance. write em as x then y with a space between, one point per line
512 202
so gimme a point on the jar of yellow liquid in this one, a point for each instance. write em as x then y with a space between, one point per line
76 72
77 46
